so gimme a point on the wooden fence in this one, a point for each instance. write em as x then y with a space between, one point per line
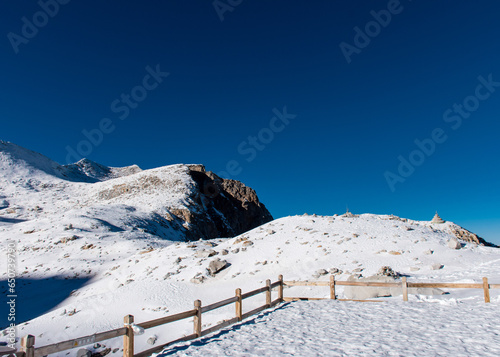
28 348
404 285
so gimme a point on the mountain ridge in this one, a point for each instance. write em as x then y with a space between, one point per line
171 202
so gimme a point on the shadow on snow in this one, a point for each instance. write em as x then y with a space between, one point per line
35 297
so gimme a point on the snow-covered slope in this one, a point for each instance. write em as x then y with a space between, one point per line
111 276
89 197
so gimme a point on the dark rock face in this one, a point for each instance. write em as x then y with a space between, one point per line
223 208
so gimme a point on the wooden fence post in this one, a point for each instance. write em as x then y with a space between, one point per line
280 288
128 338
239 310
332 287
197 318
28 345
268 293
404 284
486 288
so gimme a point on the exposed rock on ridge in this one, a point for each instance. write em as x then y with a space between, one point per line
225 208
467 236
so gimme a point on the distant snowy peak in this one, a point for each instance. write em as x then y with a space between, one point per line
16 161
100 172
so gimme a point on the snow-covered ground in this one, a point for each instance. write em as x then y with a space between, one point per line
127 279
87 253
334 328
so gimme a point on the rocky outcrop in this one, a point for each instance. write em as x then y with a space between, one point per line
467 236
210 206
220 208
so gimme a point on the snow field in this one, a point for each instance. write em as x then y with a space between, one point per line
333 328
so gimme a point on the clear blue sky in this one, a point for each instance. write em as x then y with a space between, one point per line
357 114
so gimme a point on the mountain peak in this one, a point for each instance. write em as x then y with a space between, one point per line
16 160
99 172
19 162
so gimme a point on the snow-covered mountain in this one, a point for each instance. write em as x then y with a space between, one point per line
16 161
177 202
90 252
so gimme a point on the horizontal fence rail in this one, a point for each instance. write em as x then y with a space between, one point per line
28 348
216 305
167 319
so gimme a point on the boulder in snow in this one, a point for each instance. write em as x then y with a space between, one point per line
387 271
198 279
335 271
437 266
321 272
205 253
453 243
216 266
